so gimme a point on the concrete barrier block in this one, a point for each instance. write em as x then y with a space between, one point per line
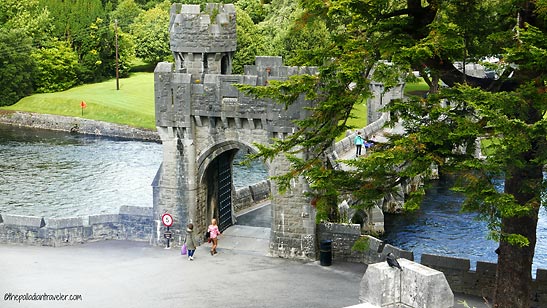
260 191
415 286
374 243
347 229
424 287
136 210
445 262
62 223
20 220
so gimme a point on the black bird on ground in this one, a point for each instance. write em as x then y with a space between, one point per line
392 261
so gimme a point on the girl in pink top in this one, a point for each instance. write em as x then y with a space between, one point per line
213 233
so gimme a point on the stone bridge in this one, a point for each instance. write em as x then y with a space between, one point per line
203 120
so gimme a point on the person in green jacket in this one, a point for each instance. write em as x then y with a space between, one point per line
190 241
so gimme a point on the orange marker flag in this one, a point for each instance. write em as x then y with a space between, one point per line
83 105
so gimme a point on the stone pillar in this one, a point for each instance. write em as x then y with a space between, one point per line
293 226
375 102
416 286
168 185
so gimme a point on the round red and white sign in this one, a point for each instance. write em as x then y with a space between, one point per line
167 220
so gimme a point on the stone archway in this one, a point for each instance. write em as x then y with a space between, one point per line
216 184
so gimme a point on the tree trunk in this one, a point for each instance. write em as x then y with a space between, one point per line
514 271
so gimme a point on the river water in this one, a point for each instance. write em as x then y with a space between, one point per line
439 227
57 174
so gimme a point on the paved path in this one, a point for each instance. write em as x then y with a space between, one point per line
379 137
133 274
130 274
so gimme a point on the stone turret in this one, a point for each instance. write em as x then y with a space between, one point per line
203 42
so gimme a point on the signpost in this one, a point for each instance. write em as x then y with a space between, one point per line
167 220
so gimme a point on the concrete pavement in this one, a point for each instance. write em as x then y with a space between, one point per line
131 274
134 274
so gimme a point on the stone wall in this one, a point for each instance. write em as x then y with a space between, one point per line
248 196
131 223
460 277
343 237
76 125
481 281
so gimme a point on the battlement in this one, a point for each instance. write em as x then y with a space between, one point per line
193 31
131 223
212 100
203 43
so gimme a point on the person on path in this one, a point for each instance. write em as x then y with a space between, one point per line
190 241
358 141
213 234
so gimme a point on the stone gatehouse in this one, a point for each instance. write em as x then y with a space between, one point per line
203 120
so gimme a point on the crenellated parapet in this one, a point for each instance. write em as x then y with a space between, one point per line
216 103
203 42
213 30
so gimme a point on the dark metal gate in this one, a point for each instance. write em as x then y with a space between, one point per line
224 192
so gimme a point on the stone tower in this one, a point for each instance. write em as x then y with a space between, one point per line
203 43
203 120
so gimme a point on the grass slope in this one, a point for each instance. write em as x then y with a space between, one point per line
132 105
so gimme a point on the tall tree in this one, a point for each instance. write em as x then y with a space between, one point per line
249 43
151 33
23 27
17 68
507 111
125 13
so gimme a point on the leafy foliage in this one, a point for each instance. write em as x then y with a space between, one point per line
56 68
249 43
151 33
18 66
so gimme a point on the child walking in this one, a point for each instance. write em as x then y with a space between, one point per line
190 241
213 233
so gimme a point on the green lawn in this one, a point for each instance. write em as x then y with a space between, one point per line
416 88
132 105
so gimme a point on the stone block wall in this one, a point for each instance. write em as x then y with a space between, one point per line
343 237
132 223
293 233
76 125
248 196
480 282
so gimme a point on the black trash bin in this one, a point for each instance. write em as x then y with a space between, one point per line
325 253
